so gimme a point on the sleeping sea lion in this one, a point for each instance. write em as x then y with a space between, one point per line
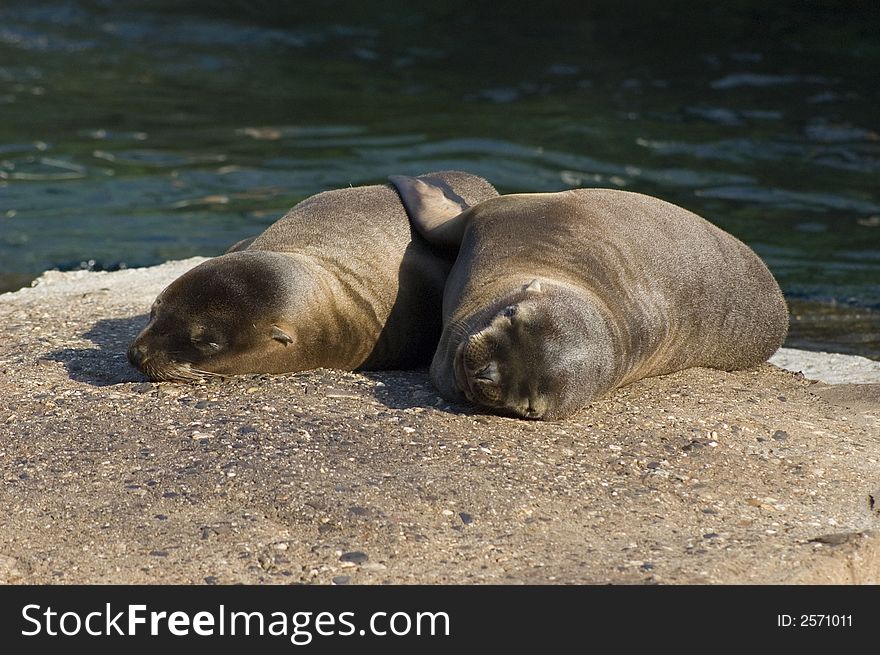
555 299
341 281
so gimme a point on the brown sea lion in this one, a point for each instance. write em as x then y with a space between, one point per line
556 299
341 281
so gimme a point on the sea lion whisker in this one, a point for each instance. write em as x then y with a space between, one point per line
460 331
210 374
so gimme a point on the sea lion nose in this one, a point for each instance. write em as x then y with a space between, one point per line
136 354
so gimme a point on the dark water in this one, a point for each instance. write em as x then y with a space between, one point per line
136 132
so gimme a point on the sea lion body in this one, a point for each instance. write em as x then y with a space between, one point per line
341 281
555 299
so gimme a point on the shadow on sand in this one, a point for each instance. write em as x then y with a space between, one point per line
413 389
105 364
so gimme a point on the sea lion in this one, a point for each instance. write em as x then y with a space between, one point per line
341 281
556 299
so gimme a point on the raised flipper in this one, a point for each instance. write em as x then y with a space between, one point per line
241 245
436 211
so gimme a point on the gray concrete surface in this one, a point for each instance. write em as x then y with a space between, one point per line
831 368
758 476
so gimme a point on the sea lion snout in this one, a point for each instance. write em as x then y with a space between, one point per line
151 360
475 376
137 353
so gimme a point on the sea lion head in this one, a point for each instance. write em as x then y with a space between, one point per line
537 356
226 316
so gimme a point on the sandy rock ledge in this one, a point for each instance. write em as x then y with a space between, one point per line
760 476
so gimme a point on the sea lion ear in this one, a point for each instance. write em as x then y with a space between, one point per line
534 286
280 335
432 207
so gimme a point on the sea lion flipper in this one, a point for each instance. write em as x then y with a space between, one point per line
240 245
435 211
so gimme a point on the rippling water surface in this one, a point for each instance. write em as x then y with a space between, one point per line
132 133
